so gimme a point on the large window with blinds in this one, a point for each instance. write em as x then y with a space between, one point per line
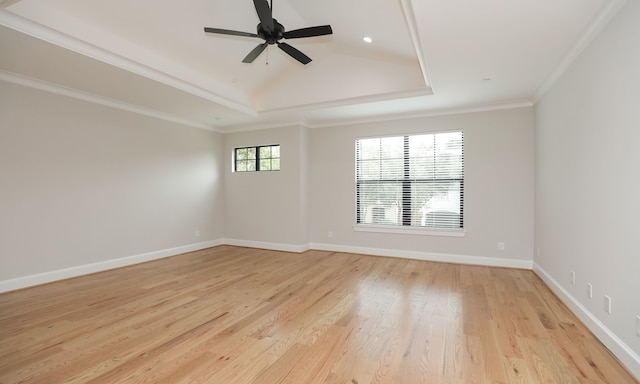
411 180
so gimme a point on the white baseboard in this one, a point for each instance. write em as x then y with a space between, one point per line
264 245
66 273
47 277
428 256
619 348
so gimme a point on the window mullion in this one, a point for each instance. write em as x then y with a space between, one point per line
406 185
258 158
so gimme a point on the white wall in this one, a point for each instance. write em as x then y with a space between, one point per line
82 184
268 209
588 184
499 185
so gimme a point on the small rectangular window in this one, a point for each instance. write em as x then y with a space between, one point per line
258 158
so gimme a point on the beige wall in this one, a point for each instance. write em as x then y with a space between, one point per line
88 184
588 184
268 209
82 184
499 184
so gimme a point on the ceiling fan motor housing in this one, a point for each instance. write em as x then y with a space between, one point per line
271 37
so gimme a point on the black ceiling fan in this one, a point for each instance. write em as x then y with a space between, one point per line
272 32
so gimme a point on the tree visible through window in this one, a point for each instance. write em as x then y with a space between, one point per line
259 158
411 180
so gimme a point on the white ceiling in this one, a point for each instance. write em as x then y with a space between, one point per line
427 56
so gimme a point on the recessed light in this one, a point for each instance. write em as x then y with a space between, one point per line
367 40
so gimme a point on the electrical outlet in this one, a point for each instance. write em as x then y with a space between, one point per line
607 304
590 290
573 277
330 234
197 233
501 246
638 326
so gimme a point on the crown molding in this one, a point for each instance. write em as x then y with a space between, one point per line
597 25
410 19
44 33
95 99
425 114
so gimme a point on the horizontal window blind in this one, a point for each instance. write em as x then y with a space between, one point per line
411 180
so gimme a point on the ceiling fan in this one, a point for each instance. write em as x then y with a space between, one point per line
272 32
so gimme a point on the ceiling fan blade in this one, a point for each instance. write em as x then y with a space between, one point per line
264 14
229 32
320 30
255 53
301 57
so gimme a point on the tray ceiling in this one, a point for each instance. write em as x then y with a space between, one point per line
427 56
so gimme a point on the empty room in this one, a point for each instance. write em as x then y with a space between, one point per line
295 191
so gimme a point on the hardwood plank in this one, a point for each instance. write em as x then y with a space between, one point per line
239 315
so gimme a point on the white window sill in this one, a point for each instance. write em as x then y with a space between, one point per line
409 230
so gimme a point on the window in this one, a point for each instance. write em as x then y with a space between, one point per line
261 158
411 181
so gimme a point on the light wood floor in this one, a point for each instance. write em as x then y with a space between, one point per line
237 315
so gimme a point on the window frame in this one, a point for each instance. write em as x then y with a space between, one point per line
406 227
257 160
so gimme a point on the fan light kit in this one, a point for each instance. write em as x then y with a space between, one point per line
272 32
